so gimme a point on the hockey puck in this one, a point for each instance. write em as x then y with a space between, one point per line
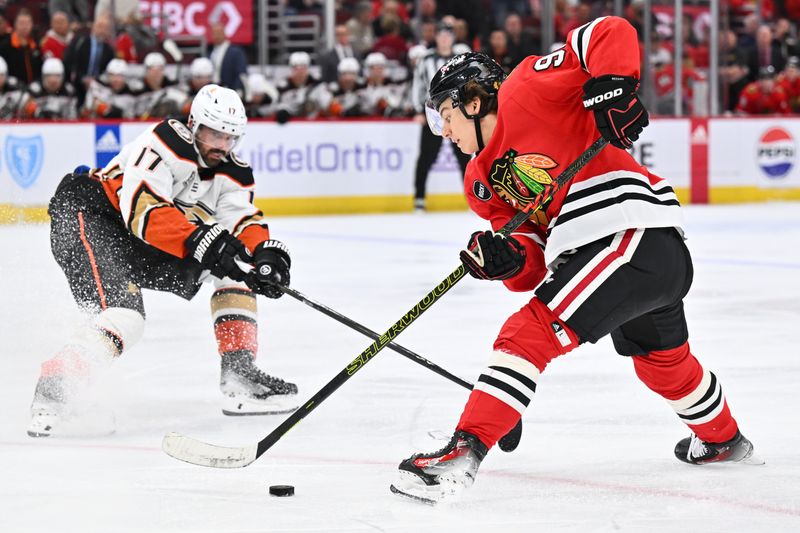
281 490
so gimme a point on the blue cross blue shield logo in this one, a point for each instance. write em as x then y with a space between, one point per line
24 157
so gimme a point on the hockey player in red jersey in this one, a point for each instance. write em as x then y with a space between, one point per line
764 96
173 209
604 256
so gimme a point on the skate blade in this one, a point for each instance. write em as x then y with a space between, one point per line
274 405
412 497
78 427
753 460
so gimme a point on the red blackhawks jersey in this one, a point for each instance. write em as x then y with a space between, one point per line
163 191
542 126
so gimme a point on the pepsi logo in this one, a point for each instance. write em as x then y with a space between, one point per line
775 152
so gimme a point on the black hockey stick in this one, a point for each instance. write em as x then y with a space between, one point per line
510 440
201 453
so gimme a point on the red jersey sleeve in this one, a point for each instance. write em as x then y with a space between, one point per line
498 216
606 45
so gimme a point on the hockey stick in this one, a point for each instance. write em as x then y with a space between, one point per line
201 453
510 440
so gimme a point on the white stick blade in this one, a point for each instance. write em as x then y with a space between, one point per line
201 453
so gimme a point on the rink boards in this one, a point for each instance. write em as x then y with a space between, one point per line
328 167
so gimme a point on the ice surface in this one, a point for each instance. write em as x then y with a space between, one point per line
596 453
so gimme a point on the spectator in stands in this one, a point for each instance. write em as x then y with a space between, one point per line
734 78
201 73
763 97
123 9
747 35
330 60
300 95
76 10
789 81
767 51
344 92
520 41
391 9
87 56
5 29
260 96
427 33
230 61
380 96
360 28
392 44
664 80
161 96
498 50
786 37
155 77
114 96
461 32
427 14
58 37
579 16
53 97
502 8
134 38
20 50
11 96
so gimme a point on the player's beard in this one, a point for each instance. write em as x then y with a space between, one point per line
214 157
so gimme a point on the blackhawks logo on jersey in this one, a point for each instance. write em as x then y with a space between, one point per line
518 179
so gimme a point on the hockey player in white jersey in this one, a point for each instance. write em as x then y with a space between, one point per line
173 209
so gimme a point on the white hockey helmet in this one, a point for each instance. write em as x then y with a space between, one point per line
201 67
155 59
348 65
375 59
3 66
52 66
257 83
220 109
299 59
117 67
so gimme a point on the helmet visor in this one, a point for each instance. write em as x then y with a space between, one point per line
216 140
435 121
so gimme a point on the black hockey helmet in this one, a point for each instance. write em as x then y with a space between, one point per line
450 80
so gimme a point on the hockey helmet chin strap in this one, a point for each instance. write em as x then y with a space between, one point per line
476 119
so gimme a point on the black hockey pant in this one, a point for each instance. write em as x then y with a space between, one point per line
105 265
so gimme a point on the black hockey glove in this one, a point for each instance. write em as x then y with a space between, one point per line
272 268
492 256
217 250
618 112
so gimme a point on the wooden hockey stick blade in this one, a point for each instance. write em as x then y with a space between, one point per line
201 453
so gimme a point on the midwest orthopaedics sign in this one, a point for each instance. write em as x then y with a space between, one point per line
192 17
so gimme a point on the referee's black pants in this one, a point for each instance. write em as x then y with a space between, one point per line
429 146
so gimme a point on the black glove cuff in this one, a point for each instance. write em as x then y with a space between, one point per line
600 92
201 238
274 247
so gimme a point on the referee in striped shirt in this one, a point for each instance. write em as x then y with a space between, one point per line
430 144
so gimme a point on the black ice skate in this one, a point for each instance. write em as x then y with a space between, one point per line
250 391
694 451
443 475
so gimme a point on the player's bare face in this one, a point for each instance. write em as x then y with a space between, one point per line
458 128
214 145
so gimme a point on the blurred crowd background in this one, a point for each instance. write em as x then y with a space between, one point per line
84 59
